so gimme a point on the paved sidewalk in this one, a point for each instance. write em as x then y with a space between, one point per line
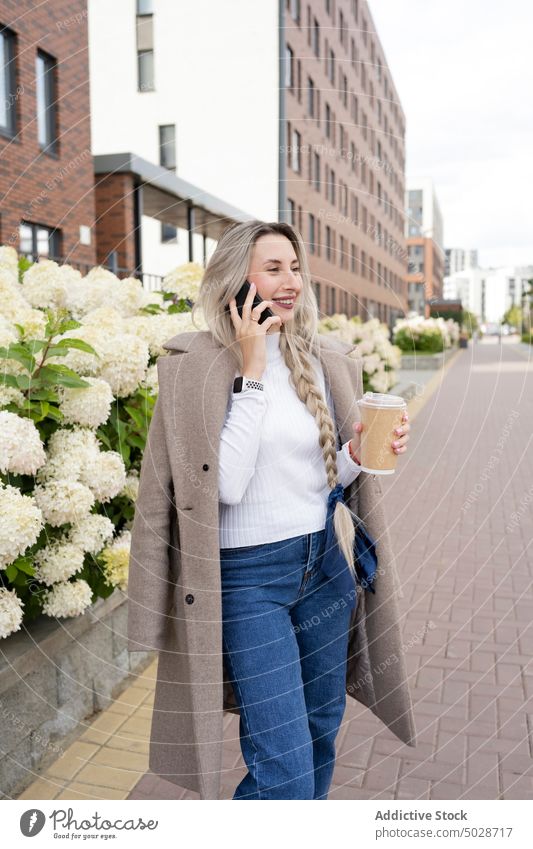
461 517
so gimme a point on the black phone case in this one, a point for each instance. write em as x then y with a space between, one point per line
240 298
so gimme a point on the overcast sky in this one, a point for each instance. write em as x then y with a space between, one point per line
464 74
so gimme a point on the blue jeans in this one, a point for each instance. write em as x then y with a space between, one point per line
285 643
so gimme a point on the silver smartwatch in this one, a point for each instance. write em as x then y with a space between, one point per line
242 383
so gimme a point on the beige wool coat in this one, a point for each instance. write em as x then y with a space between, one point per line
174 588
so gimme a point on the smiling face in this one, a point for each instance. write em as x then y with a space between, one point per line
275 270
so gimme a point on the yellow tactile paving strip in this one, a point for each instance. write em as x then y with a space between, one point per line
111 755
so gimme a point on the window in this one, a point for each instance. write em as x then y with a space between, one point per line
145 70
289 67
342 29
145 45
328 242
295 10
331 65
296 162
167 145
355 109
8 123
316 171
316 38
292 212
328 121
343 252
352 258
169 233
46 102
310 97
312 233
37 240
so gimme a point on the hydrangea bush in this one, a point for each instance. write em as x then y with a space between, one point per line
380 357
77 391
428 335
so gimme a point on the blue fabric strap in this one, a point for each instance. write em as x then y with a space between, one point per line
334 563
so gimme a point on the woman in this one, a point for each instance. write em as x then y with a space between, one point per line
285 620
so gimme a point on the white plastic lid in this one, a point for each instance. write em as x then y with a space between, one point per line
382 399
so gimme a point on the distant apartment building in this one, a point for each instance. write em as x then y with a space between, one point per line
424 233
345 158
457 259
46 167
489 292
202 115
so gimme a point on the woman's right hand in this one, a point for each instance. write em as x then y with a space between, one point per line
251 334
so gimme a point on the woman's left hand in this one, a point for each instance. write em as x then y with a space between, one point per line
398 445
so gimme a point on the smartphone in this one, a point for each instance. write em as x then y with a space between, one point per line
240 298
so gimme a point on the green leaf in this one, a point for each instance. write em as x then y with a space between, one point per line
137 417
9 380
20 354
23 381
11 572
75 343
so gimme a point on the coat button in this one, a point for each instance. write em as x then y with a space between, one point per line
189 598
205 467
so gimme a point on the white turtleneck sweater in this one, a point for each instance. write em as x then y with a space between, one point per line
272 476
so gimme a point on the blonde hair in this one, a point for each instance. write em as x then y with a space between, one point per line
224 275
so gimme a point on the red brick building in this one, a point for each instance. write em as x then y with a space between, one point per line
46 166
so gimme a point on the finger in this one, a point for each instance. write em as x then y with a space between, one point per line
248 301
272 319
233 310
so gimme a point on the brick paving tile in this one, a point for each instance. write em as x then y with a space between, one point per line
413 788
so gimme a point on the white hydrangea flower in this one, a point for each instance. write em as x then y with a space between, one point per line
116 559
371 363
21 449
105 475
11 608
33 323
21 522
131 487
68 598
124 364
157 329
44 285
184 280
10 395
89 406
106 317
63 501
9 257
151 380
130 296
82 362
57 562
91 533
69 451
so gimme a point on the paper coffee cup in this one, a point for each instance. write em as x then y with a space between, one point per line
380 414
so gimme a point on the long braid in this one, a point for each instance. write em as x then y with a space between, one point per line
302 376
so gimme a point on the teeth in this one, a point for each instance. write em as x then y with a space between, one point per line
283 302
